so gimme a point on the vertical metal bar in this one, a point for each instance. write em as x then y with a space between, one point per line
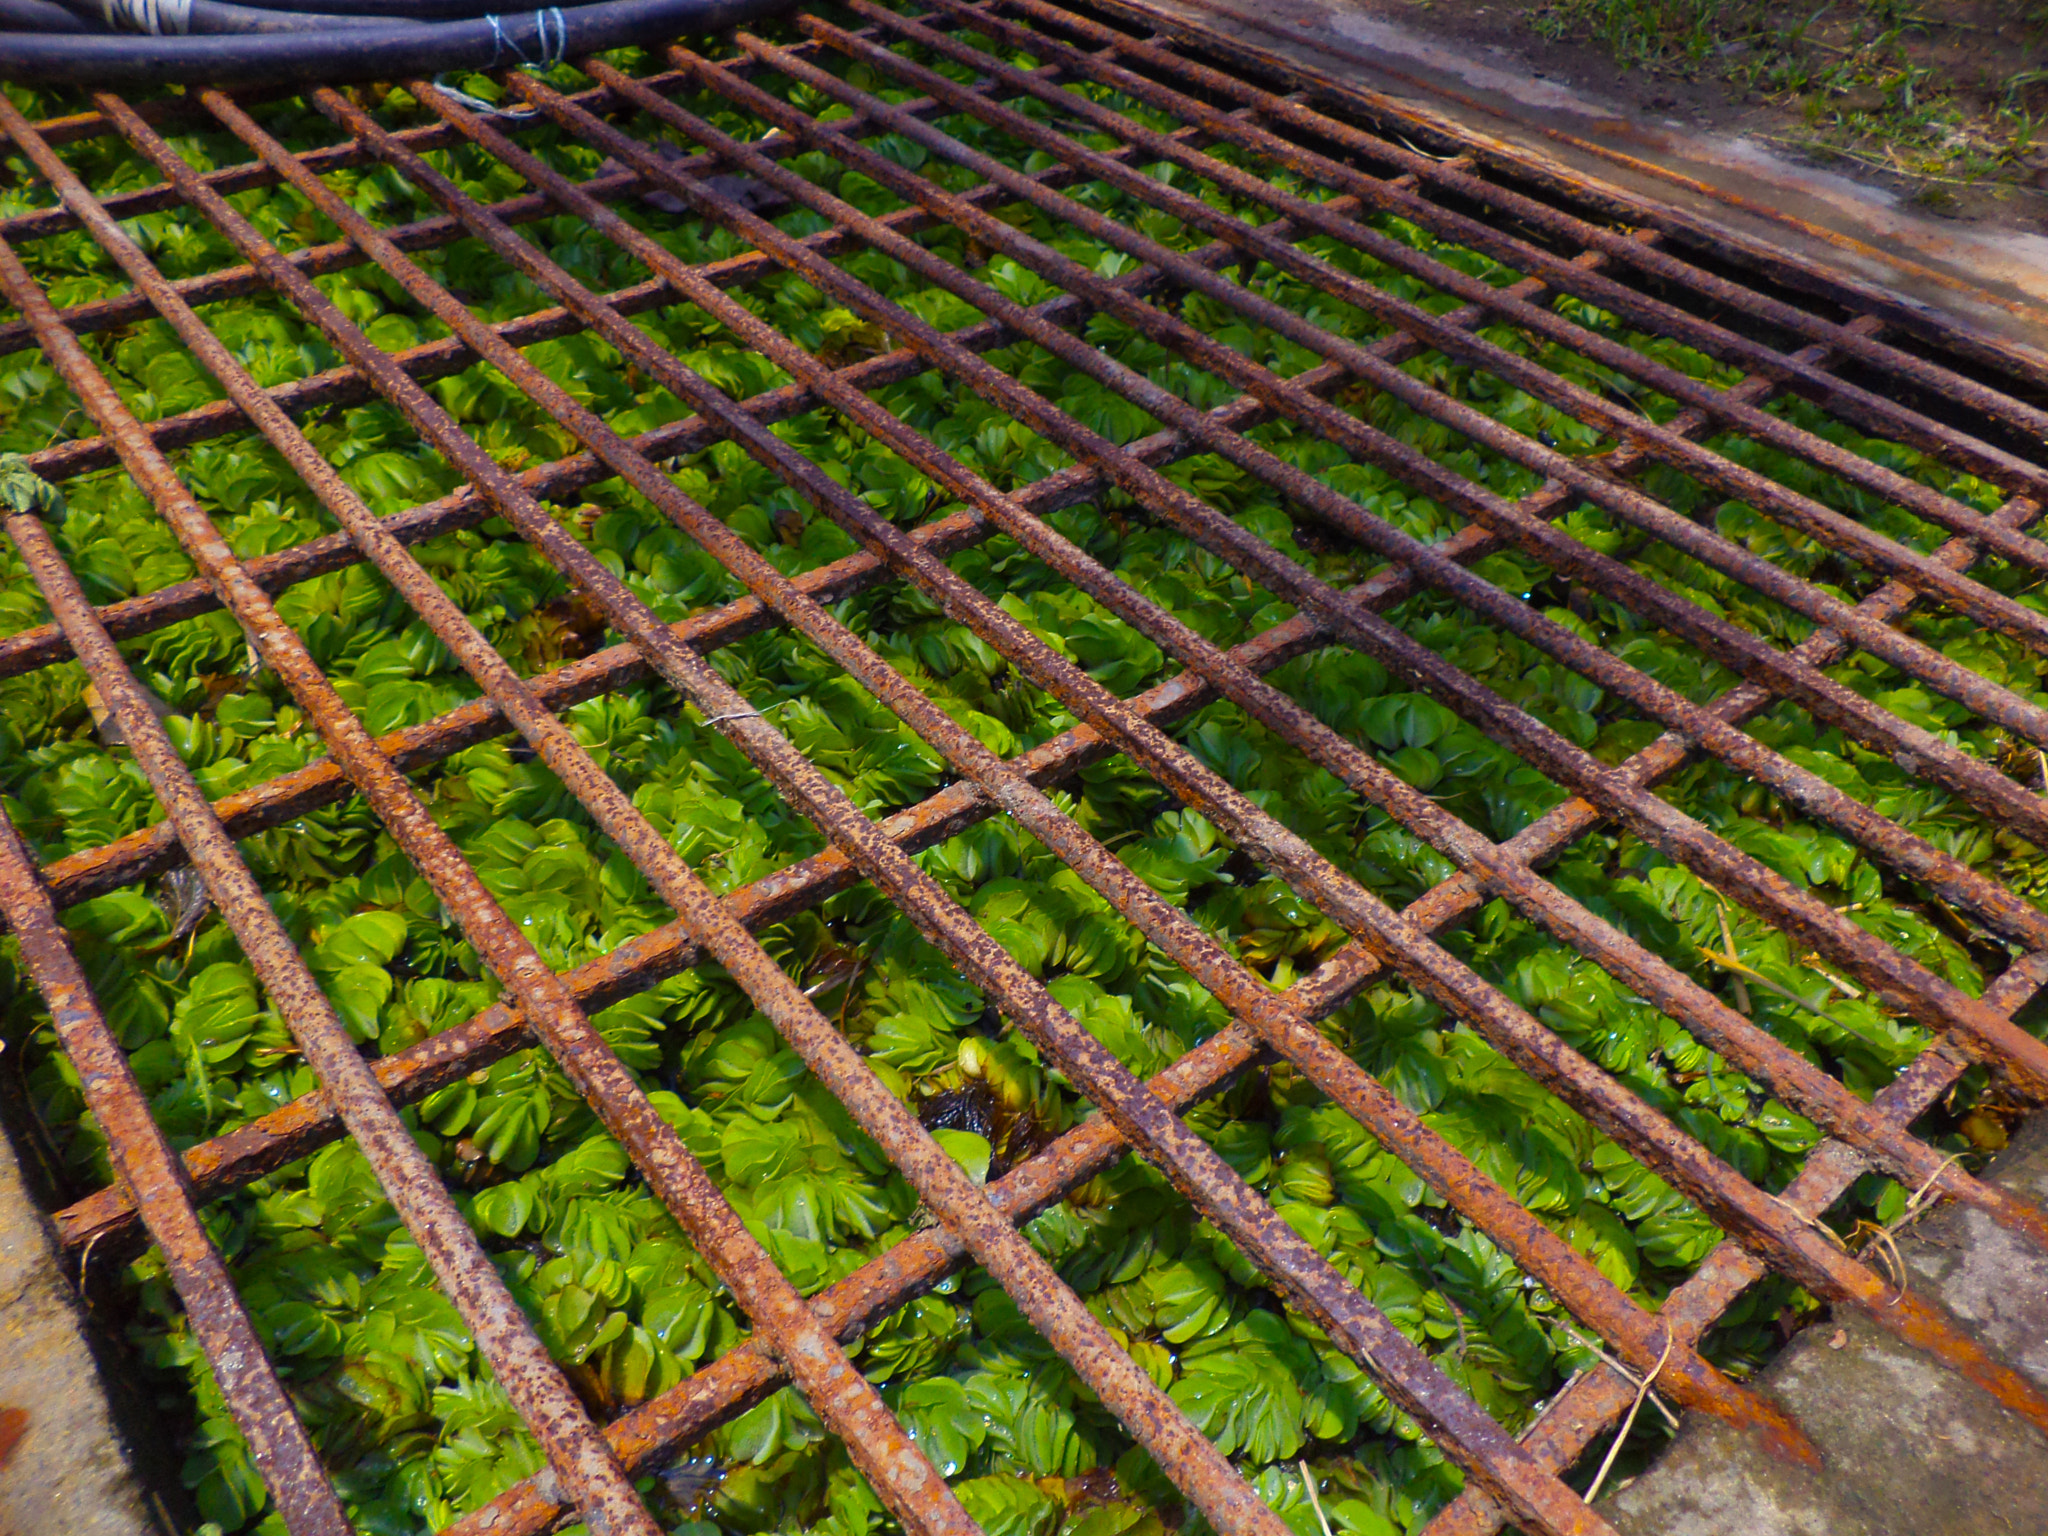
156 1183
575 1449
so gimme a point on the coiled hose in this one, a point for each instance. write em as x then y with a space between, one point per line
130 43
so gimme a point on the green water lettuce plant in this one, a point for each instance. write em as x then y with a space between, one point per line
404 1411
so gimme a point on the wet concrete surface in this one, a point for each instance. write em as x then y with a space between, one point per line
63 1467
1910 1449
1993 277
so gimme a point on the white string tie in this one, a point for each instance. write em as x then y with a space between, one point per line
154 17
479 106
552 52
552 56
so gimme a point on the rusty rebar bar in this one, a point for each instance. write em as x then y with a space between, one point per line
157 1185
575 1448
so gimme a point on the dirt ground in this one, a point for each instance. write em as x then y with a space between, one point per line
1943 101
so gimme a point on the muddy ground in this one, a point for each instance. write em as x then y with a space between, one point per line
1942 101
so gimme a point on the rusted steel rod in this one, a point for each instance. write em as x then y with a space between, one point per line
1614 208
990 785
1181 1451
1866 408
578 1453
844 1400
1929 999
1567 1273
155 1182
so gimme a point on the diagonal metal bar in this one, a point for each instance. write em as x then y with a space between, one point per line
1556 232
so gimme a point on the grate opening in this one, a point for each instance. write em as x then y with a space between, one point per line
1502 759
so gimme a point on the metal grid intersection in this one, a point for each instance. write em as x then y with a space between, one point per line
1793 331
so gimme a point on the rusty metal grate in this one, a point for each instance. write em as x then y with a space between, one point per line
1323 169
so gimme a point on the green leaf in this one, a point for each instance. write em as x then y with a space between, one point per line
940 1420
970 1151
23 490
505 1209
1004 1505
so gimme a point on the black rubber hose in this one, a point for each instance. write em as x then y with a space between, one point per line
38 16
378 52
218 16
395 10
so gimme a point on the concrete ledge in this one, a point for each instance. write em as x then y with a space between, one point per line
68 1471
1911 1449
